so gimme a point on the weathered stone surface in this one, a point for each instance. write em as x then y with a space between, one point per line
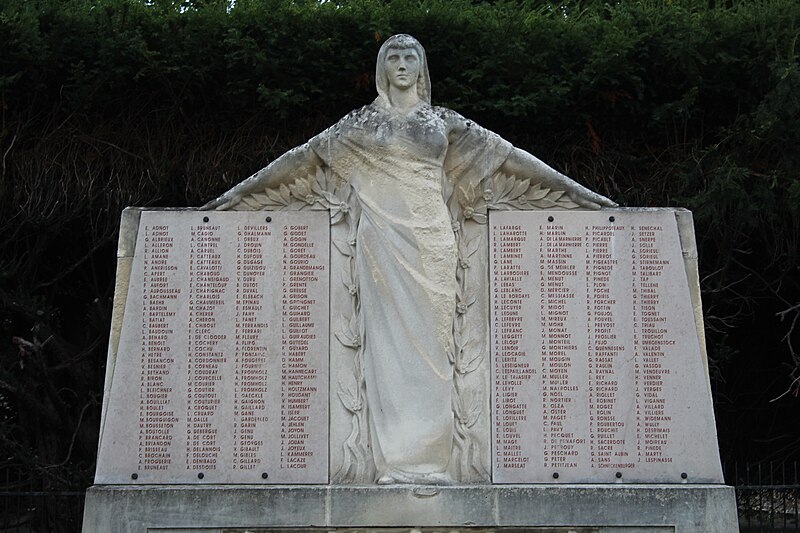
598 372
219 370
606 508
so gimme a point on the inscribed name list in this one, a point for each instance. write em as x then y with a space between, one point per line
597 373
222 368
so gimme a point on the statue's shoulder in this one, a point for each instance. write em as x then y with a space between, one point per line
455 121
362 111
357 118
447 114
354 119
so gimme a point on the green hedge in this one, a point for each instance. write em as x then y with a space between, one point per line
110 103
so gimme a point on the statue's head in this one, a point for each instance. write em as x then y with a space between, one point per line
401 42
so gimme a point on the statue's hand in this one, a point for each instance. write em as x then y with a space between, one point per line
224 202
587 198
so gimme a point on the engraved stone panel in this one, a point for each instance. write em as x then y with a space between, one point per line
221 375
597 373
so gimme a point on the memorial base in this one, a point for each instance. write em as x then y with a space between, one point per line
253 509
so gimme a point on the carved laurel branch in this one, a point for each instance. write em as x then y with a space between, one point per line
503 193
466 400
357 465
320 191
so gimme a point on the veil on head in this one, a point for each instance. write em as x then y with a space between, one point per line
403 40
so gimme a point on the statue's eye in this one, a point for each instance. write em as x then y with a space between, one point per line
393 57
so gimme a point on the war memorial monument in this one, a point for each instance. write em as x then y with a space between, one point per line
408 324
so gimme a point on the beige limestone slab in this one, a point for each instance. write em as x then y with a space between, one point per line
221 372
685 508
597 365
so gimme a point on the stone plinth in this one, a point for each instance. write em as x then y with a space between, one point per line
581 508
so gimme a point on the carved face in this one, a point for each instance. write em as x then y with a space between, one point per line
402 67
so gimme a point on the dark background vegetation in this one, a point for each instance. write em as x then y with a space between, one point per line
109 103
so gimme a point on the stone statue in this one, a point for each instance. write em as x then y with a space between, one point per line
402 157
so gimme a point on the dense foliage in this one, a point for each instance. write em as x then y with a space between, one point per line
108 103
